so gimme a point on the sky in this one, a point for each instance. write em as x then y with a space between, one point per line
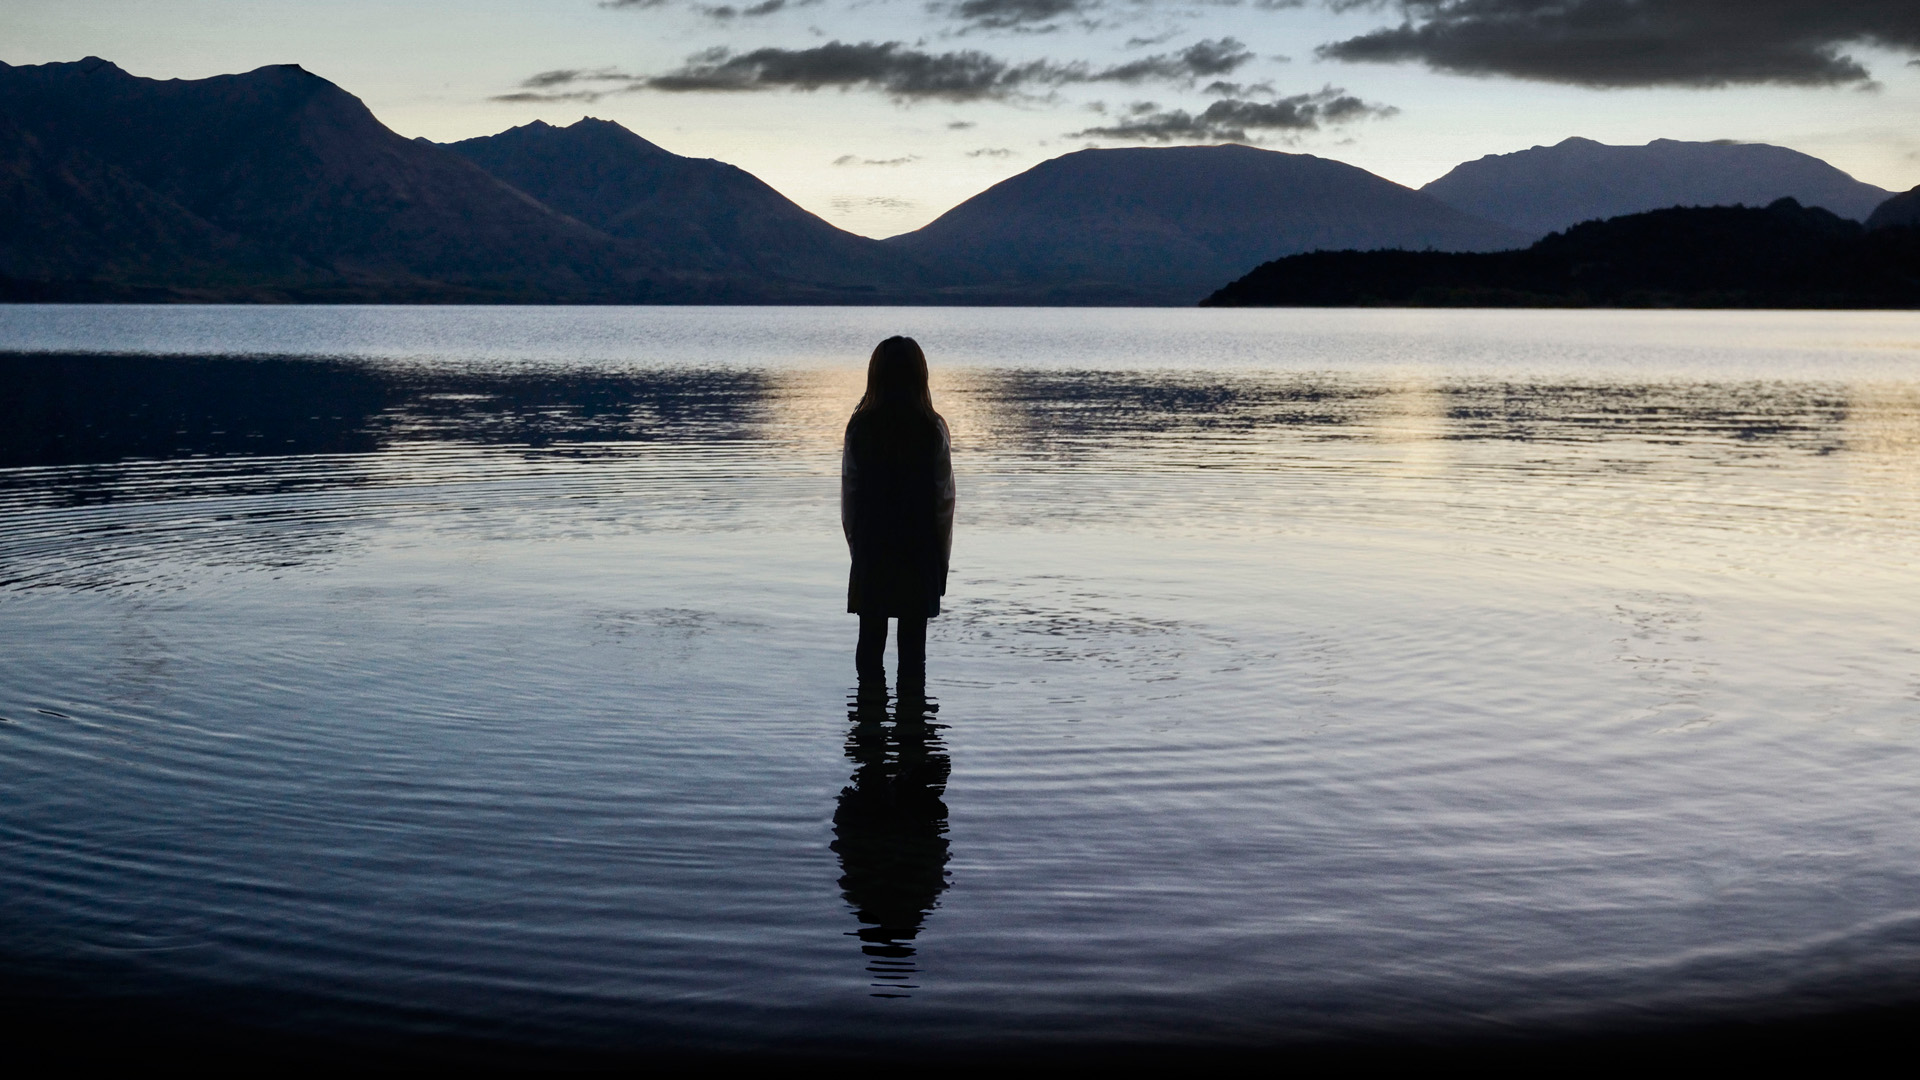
879 115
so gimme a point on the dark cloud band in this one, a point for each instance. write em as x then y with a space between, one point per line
890 67
1238 121
1619 43
1047 15
1017 14
724 12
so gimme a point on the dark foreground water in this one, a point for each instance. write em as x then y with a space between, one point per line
1304 674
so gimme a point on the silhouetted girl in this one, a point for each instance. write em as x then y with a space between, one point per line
896 506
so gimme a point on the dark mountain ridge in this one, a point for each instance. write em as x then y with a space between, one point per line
1781 256
1902 209
1164 225
1547 188
709 213
269 184
276 185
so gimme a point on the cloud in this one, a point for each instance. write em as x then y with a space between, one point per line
556 78
1218 57
1618 43
991 151
728 12
1160 38
1234 120
847 204
1017 14
961 125
1221 88
571 84
854 159
718 12
1039 16
907 73
890 67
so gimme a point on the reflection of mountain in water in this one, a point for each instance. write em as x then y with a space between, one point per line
271 462
282 461
891 835
77 409
65 410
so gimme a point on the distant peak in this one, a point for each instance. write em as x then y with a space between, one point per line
1577 140
592 125
283 73
588 133
92 64
1212 149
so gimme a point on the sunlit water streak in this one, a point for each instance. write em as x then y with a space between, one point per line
1302 673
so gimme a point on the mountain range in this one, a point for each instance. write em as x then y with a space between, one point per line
1164 225
697 211
269 185
1549 188
277 185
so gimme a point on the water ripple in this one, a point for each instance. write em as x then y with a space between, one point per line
1279 694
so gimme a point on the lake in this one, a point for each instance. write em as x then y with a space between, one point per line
484 672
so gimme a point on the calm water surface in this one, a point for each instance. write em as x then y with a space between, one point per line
1303 673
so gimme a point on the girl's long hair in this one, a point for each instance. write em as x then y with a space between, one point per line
897 375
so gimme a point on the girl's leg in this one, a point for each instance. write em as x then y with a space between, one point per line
869 656
913 655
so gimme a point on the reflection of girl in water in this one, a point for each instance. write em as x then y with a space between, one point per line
890 831
896 507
